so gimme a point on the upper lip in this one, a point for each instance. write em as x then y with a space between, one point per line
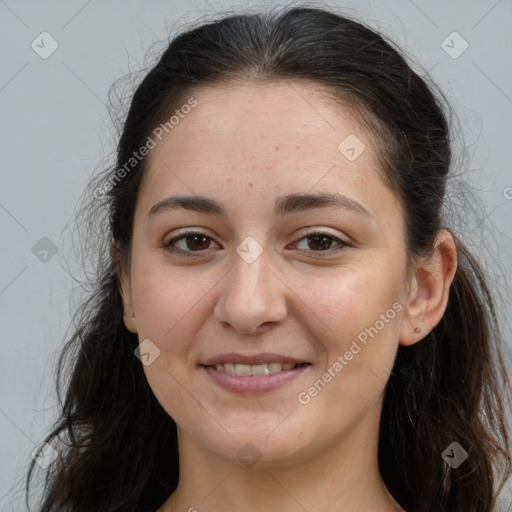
250 359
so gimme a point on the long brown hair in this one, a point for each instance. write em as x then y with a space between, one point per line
118 447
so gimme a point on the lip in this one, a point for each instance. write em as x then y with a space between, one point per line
254 384
260 358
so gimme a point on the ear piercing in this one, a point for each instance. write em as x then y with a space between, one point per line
132 316
417 330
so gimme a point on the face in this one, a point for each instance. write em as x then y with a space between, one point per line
261 272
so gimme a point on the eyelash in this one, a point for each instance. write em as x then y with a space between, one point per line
194 254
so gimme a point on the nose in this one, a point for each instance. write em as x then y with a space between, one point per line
252 296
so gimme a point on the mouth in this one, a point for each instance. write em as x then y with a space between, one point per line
245 370
254 379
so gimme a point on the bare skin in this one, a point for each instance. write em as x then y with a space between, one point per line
245 145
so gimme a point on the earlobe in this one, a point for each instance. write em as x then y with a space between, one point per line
429 290
124 289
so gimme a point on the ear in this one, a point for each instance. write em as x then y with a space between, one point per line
124 288
429 290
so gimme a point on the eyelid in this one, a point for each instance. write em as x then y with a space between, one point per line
184 233
181 234
341 244
319 230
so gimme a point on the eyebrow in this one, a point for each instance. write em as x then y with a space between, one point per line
291 203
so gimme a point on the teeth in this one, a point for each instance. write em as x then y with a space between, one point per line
257 369
253 369
243 369
229 368
275 367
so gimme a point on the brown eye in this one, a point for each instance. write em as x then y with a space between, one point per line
322 242
193 242
196 242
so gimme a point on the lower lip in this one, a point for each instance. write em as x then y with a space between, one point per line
254 384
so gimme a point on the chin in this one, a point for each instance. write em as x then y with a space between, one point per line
258 450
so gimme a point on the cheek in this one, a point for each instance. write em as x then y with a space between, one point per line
166 295
170 304
347 302
355 319
355 316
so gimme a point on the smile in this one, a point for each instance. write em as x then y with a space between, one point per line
254 379
244 370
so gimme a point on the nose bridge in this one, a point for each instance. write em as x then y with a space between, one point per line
251 294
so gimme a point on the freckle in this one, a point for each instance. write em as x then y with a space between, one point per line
276 148
297 146
250 184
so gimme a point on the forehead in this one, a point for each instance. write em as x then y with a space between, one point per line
256 116
265 138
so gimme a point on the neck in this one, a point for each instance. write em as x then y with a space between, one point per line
345 476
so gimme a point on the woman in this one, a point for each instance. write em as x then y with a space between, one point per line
285 321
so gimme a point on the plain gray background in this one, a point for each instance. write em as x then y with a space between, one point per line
55 132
